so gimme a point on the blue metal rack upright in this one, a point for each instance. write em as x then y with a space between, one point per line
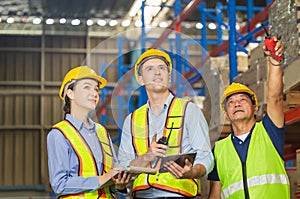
237 41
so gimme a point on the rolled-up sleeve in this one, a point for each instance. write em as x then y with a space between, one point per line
196 137
61 173
126 152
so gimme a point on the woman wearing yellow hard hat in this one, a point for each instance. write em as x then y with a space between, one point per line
80 153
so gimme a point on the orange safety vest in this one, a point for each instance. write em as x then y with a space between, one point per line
87 164
140 139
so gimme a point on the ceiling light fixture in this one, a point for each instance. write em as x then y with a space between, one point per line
10 20
125 23
163 24
224 26
199 25
36 20
89 22
101 22
49 21
138 23
62 20
113 22
212 26
75 22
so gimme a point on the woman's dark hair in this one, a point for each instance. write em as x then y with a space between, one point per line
67 106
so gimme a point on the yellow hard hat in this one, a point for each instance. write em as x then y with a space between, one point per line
237 88
77 73
152 53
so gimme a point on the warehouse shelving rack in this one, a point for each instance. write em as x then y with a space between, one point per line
237 41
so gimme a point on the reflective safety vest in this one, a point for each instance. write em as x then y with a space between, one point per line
140 139
87 163
264 173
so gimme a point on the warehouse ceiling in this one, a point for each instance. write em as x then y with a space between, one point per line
85 8
106 10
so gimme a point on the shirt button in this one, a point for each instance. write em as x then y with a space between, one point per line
240 142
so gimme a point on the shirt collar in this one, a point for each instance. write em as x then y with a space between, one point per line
249 135
167 102
79 124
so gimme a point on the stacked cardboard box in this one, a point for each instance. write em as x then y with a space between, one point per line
215 74
216 77
214 88
291 76
257 75
222 62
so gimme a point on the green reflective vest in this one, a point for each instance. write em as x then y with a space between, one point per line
140 139
266 177
87 165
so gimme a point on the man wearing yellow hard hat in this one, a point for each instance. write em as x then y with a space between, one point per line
80 152
249 162
165 125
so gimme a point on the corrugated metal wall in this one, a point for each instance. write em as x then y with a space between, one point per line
31 70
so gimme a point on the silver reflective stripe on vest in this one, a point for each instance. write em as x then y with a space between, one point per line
254 181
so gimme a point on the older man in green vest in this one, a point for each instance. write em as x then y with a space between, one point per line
249 162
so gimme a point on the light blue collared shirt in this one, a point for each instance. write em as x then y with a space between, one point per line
195 138
63 162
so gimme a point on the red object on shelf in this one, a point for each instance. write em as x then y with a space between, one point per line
292 115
